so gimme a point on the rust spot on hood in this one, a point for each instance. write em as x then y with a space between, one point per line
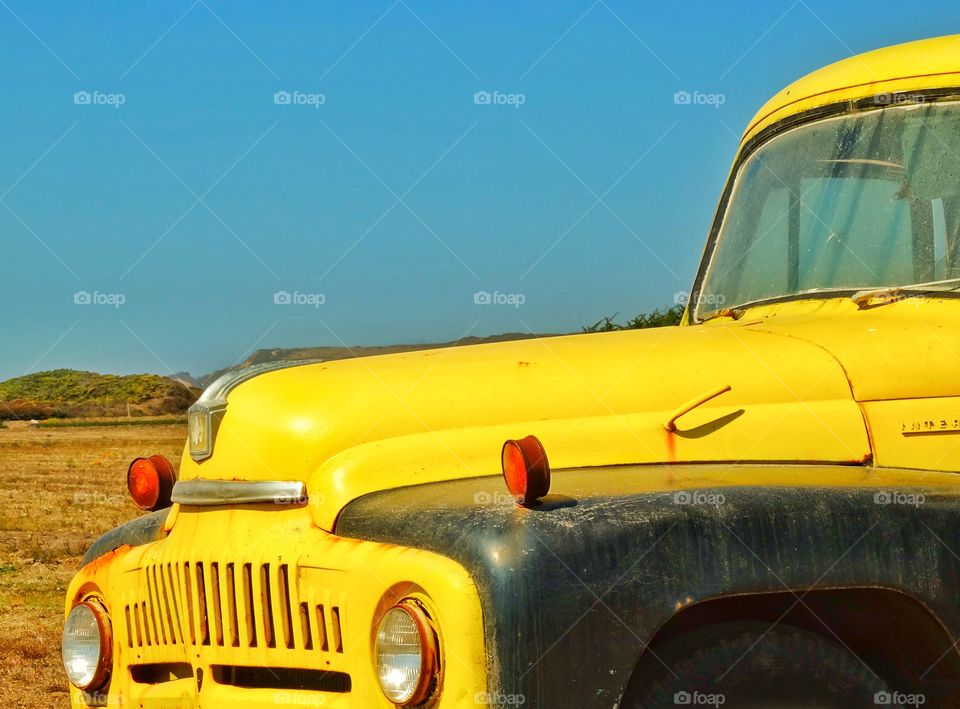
671 446
104 559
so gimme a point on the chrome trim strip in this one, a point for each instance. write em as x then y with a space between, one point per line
238 492
216 394
213 401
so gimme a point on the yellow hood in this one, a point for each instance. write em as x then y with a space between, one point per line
908 349
351 427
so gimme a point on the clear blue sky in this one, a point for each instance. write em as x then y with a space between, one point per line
396 198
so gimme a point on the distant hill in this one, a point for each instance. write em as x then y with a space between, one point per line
661 317
69 393
331 353
186 379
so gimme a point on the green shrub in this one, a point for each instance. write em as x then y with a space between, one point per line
657 318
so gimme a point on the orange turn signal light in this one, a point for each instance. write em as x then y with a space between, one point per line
526 470
150 482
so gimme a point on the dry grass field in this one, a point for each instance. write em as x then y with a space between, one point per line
59 490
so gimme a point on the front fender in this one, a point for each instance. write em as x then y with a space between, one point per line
137 532
583 581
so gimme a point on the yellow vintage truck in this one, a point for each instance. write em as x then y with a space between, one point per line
758 508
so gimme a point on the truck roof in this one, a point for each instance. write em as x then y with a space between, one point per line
914 66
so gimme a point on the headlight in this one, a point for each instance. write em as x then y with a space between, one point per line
406 651
87 646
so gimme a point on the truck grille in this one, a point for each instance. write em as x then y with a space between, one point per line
232 604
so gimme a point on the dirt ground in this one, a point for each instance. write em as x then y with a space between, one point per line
59 490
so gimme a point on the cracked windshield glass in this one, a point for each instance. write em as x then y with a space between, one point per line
862 201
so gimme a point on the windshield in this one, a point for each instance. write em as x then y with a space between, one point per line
862 201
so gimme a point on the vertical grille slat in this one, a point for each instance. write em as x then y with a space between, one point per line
146 622
249 612
154 615
136 621
322 628
269 632
233 622
126 612
161 583
188 593
202 611
149 606
172 578
305 626
337 640
286 612
217 601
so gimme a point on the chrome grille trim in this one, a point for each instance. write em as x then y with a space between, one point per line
238 492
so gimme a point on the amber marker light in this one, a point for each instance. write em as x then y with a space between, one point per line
526 470
150 482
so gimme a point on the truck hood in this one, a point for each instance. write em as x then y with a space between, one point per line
351 427
906 349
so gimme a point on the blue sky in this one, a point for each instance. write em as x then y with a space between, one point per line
147 159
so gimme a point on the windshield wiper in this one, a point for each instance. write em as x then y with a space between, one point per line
732 313
882 296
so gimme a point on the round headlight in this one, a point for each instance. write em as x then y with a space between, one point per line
87 646
406 651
